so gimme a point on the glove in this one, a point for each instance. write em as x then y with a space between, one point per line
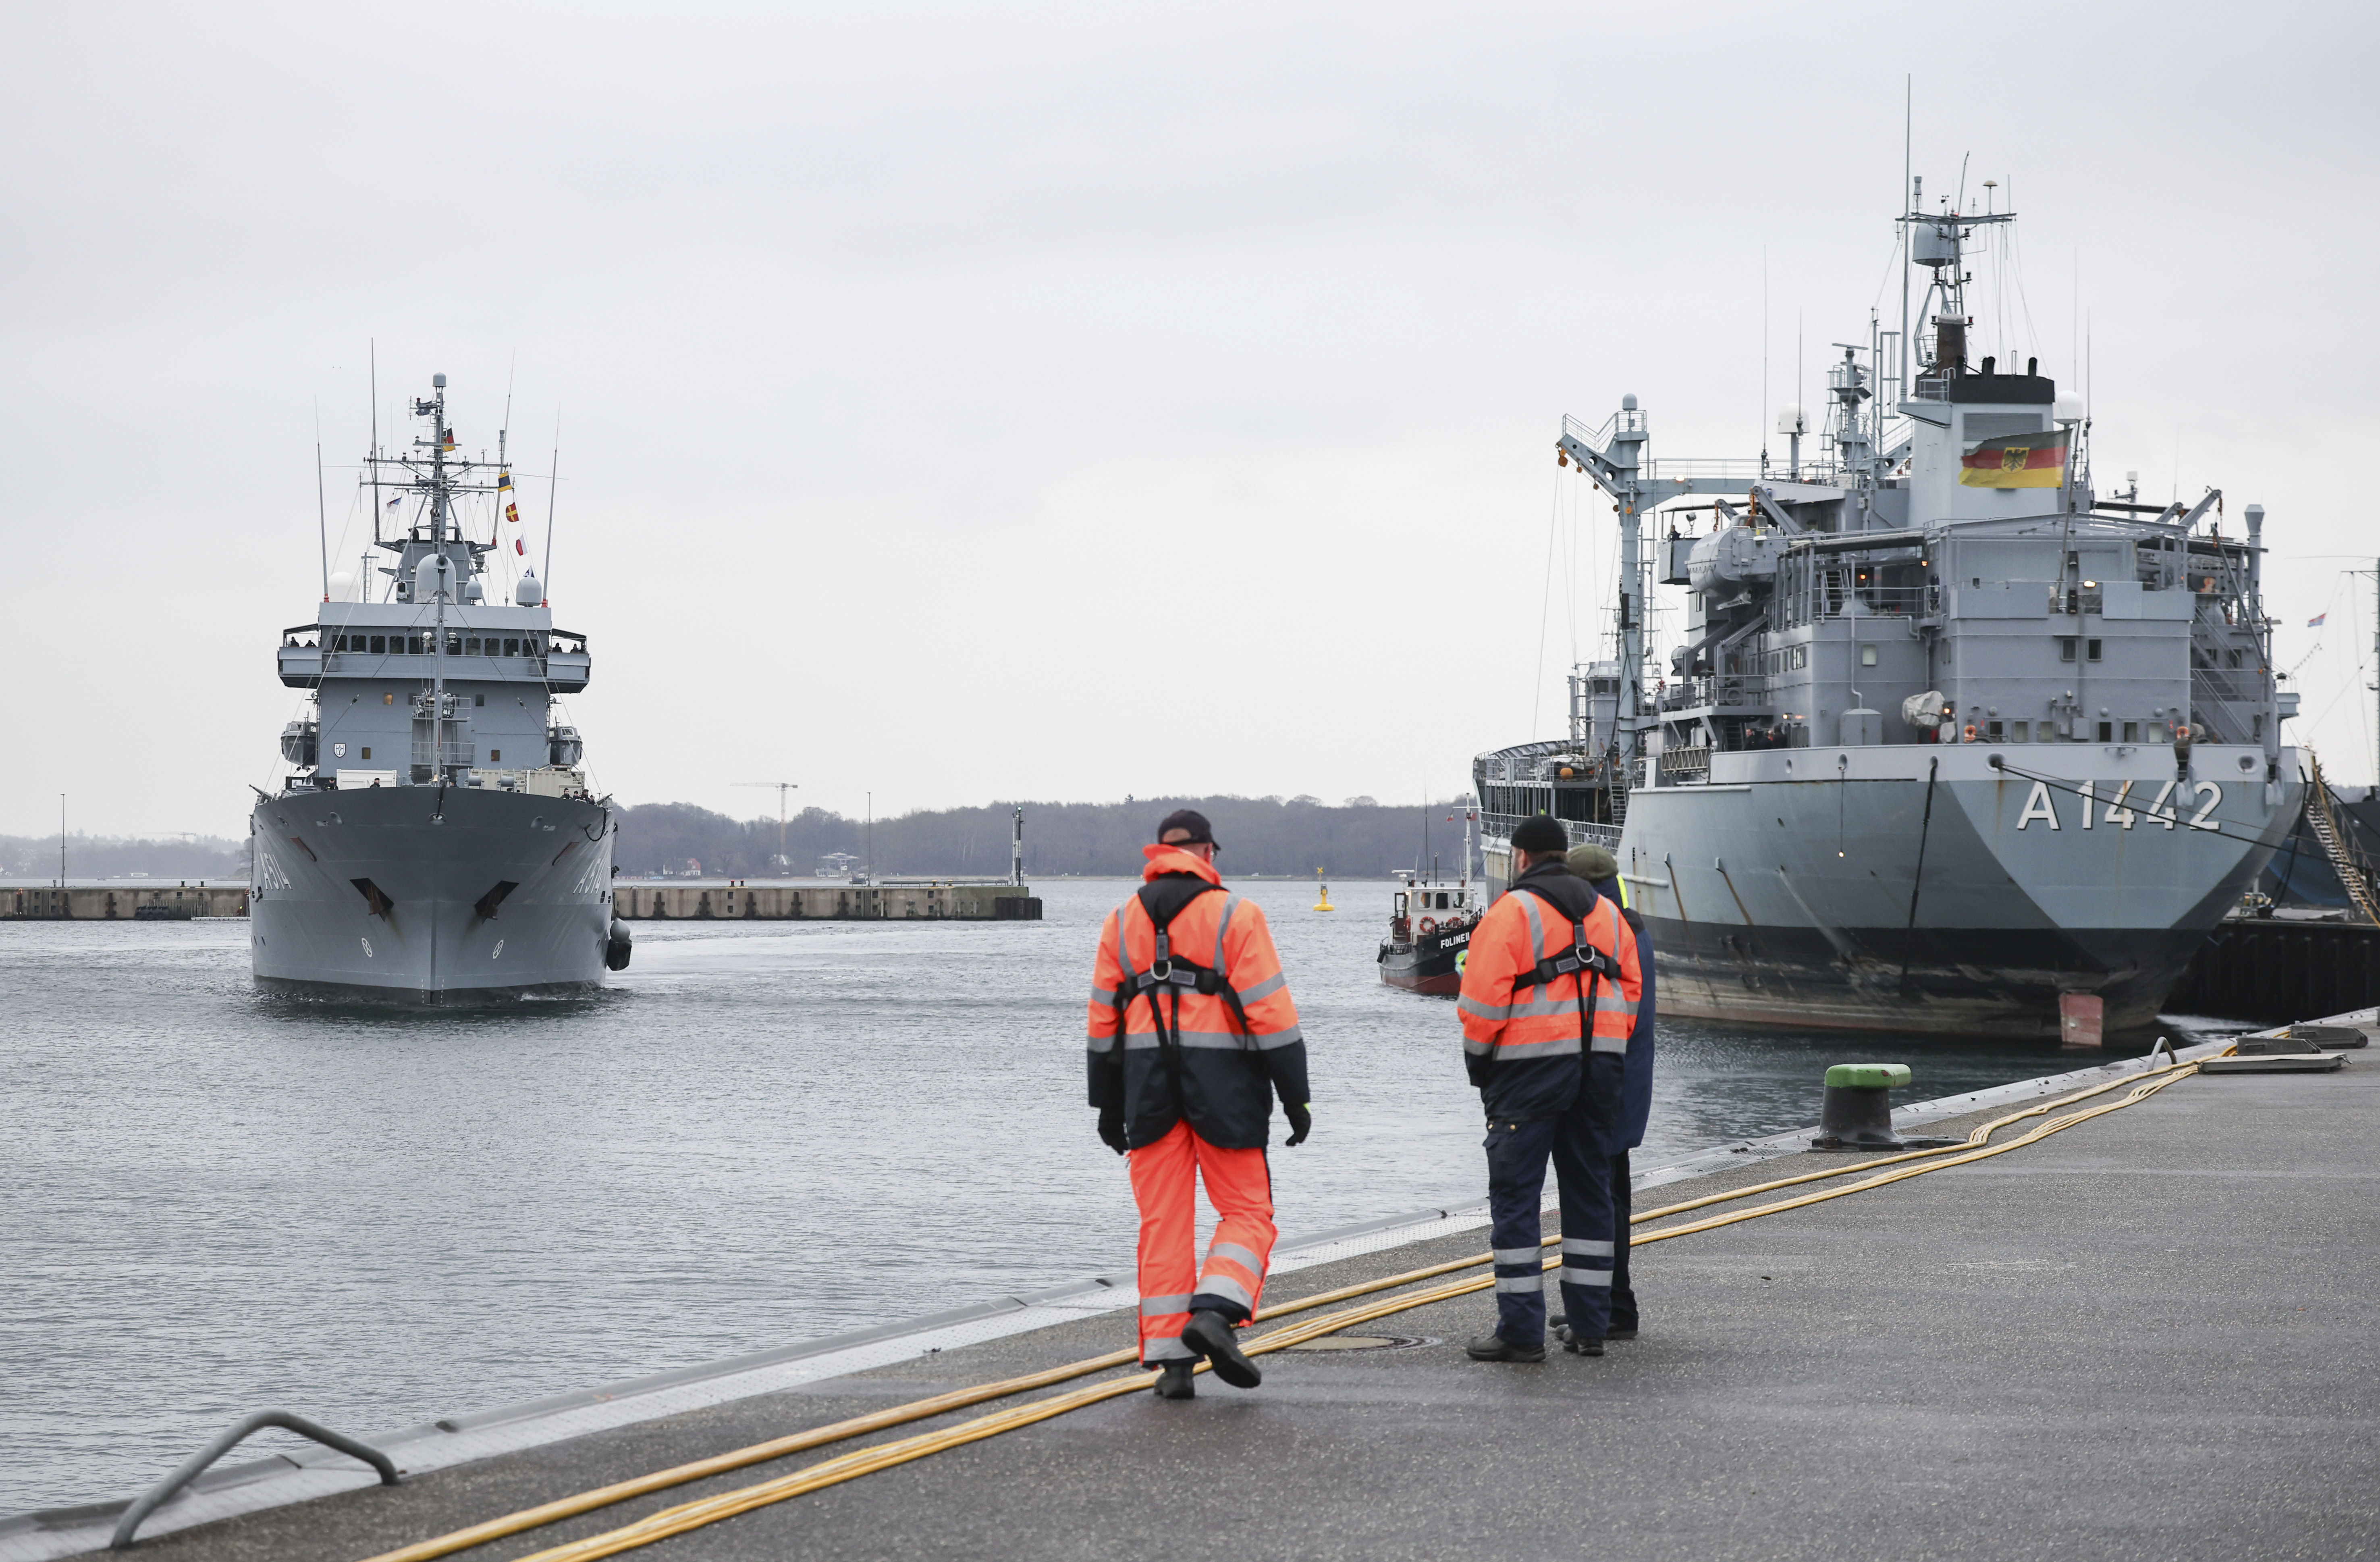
1300 1121
1112 1130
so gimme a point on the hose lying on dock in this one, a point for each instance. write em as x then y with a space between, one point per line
846 1466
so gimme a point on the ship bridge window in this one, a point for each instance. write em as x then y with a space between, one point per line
2093 651
511 647
380 645
471 646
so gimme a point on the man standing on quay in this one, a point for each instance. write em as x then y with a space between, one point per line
1599 868
1192 1034
1550 994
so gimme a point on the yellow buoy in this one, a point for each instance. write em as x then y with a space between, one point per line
1323 904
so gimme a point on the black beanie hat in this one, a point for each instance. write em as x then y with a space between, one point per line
1537 833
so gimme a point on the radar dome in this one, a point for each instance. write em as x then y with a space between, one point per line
2067 409
425 576
529 593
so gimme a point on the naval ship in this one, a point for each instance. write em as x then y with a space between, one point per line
1950 742
435 840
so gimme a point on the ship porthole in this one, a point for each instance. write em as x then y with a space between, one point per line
497 953
367 944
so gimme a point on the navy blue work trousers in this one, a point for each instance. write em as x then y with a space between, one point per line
1580 1144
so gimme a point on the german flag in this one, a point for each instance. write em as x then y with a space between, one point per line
2016 460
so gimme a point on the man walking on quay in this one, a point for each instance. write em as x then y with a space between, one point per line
1550 994
1192 1034
1599 868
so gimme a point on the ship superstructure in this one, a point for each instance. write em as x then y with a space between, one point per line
435 838
1948 741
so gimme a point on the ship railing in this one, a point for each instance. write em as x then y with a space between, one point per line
1685 765
1709 469
2238 686
1729 690
1595 437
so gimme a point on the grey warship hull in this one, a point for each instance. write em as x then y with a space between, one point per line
438 924
1818 888
1948 739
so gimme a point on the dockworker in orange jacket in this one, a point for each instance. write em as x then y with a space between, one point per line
1192 1034
1549 993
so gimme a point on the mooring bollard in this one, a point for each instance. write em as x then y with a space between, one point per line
1857 1111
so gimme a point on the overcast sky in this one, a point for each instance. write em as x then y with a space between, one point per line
1067 402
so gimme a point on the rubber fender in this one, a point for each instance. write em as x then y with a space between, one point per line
619 946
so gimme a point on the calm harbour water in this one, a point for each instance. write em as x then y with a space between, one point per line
217 1201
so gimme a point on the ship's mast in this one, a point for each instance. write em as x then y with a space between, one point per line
446 569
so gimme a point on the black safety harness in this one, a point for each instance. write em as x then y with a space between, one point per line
1580 956
1164 899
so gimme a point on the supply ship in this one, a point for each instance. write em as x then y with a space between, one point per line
1951 741
434 840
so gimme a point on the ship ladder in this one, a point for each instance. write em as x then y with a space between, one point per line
2344 859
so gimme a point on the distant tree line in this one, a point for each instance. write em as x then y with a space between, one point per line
109 857
1259 836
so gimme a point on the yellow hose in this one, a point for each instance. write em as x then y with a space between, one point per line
709 1510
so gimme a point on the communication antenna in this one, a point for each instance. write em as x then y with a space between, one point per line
321 504
374 461
783 788
552 494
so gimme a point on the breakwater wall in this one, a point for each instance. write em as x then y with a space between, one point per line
927 900
121 902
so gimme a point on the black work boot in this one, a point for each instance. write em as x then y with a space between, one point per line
1496 1347
1578 1346
1210 1333
1174 1382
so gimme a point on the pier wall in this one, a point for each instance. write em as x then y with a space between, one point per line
120 902
827 902
2272 969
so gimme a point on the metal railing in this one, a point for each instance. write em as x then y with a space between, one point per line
224 1442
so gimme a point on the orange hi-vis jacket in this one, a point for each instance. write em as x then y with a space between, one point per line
1525 983
1190 1050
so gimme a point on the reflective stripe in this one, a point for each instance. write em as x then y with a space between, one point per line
1595 1279
1103 996
1581 1245
1266 988
1544 1007
1159 1306
1225 1286
1226 1041
1238 1255
1522 1282
1562 1046
1479 1010
1166 1348
1516 1255
1536 928
1223 924
1605 1044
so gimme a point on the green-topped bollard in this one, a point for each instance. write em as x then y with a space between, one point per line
1857 1111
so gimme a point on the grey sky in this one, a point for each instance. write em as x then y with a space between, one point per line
1064 402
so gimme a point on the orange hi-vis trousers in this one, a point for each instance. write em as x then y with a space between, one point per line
1164 1178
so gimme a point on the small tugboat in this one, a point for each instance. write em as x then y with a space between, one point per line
1429 927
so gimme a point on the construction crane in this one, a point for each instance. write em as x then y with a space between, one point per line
783 788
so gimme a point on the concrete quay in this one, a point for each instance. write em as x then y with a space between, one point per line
823 900
2146 1337
122 900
